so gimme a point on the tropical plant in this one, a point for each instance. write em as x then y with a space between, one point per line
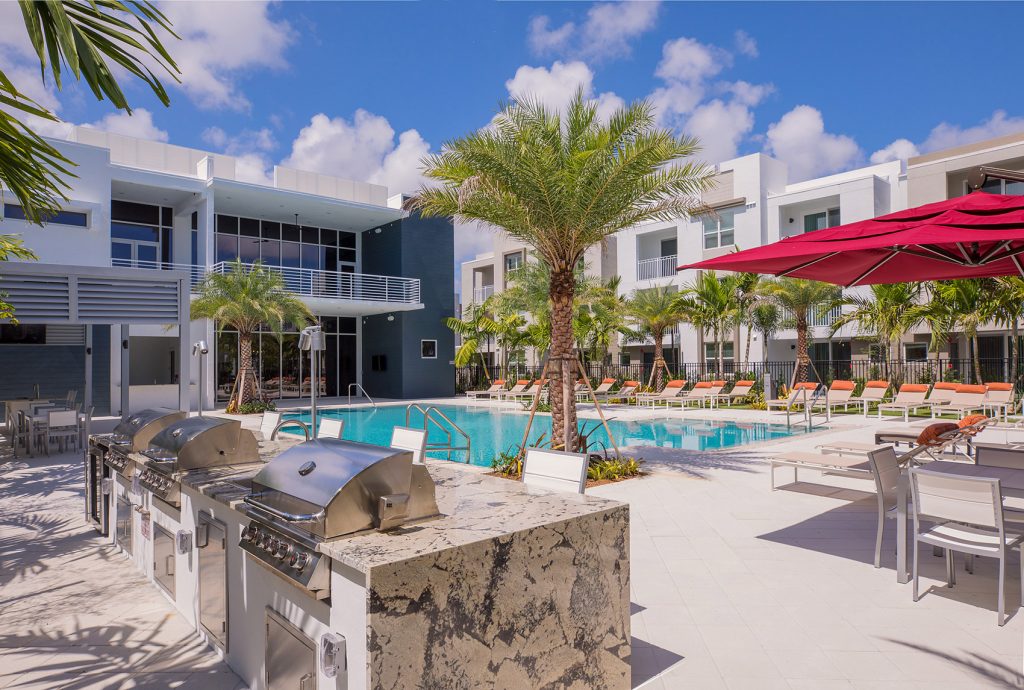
885 313
940 320
475 327
766 319
709 303
799 298
247 297
11 247
968 304
654 311
599 319
561 183
81 36
747 298
511 336
1008 298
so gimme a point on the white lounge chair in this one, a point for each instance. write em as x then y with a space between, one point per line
740 389
496 387
911 397
404 438
966 399
269 422
942 393
702 392
801 392
538 387
840 394
330 428
672 389
874 392
625 393
1000 399
519 387
555 470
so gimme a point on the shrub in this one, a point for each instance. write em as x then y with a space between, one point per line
612 469
256 407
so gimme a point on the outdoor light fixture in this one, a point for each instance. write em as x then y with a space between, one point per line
391 317
200 349
312 338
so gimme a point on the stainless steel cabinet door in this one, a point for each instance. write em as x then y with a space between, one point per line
163 558
124 524
291 656
213 593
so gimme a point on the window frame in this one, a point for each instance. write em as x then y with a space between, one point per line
423 354
732 211
54 220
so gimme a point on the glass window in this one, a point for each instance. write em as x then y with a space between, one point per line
668 247
711 351
167 216
346 239
248 249
140 233
290 366
290 255
719 229
348 255
821 220
227 224
311 256
290 232
250 227
513 261
135 213
1014 187
21 334
14 211
271 252
271 230
428 349
346 325
916 352
227 363
328 237
227 247
146 255
310 235
270 365
195 247
121 253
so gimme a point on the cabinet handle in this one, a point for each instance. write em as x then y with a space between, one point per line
304 680
169 564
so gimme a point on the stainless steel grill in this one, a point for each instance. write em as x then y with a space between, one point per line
132 434
329 489
193 444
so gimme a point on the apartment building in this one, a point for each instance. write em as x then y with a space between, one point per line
376 277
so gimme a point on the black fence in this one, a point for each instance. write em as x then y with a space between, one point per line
919 371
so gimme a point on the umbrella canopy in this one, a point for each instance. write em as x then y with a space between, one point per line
974 236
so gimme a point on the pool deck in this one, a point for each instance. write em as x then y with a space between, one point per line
733 585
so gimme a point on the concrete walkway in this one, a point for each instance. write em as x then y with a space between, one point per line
74 614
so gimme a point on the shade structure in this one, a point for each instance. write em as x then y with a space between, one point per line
974 236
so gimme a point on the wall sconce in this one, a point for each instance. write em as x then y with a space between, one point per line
391 317
790 220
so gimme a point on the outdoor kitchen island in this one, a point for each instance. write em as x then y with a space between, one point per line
509 587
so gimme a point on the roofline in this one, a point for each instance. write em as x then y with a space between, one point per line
967 149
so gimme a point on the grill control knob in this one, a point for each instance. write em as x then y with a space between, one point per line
300 561
283 550
250 532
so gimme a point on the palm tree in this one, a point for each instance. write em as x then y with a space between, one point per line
941 323
766 319
747 298
1008 298
245 298
709 302
473 328
799 298
561 183
968 304
510 334
11 247
654 311
599 318
886 312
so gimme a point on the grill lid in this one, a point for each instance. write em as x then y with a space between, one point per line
136 430
200 442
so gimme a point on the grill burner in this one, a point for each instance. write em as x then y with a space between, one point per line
326 489
192 444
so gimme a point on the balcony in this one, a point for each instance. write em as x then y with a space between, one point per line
351 287
814 318
480 294
660 267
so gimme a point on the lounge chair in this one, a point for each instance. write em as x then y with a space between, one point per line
966 399
605 388
942 393
702 392
415 440
801 392
625 393
538 387
740 389
848 448
269 422
839 394
999 399
874 392
555 470
330 428
911 397
672 389
496 386
520 386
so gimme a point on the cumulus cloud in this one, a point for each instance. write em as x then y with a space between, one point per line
689 60
745 44
946 135
899 150
799 139
720 127
555 86
362 148
139 124
607 31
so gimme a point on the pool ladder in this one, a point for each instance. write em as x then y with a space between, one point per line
433 415
359 388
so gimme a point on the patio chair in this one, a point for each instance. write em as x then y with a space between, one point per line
702 392
519 387
1000 400
538 387
874 392
840 393
20 430
968 512
801 392
555 470
626 393
966 399
910 397
269 422
415 440
672 389
62 427
496 386
330 428
70 398
605 388
740 389
885 468
942 393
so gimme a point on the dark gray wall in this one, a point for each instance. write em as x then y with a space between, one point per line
101 369
421 248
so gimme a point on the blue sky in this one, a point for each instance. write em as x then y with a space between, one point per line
364 89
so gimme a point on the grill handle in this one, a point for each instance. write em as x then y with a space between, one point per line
289 517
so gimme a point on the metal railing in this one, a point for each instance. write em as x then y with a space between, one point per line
482 293
815 318
429 413
308 282
359 387
659 267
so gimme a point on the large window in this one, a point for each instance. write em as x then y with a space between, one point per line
285 244
513 261
821 220
711 351
140 235
719 228
997 186
76 218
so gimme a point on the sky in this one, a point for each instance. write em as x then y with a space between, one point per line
365 89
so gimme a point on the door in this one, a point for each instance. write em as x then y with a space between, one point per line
211 538
95 501
163 558
992 353
290 656
124 524
135 254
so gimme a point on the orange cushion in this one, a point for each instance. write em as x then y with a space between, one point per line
809 385
914 388
842 386
522 382
965 388
630 383
876 384
1000 386
971 419
930 433
744 383
718 383
499 382
943 386
607 380
677 383
702 384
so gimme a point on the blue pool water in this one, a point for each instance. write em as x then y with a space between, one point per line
493 431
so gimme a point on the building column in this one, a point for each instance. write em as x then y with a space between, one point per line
184 349
125 369
87 394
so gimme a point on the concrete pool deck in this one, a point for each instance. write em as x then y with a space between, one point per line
733 586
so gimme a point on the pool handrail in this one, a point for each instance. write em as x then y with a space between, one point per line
427 419
359 387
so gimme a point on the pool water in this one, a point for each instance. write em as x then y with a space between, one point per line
494 431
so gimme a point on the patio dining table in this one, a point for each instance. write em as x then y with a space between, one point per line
1011 481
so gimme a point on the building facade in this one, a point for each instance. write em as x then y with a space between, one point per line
375 276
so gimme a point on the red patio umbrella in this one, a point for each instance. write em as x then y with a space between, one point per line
972 236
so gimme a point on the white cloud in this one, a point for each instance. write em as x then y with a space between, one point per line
720 127
607 31
361 149
556 86
139 124
749 94
253 167
250 147
215 136
899 150
220 41
946 135
689 60
799 139
745 44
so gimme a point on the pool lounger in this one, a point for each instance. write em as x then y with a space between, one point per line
849 448
838 465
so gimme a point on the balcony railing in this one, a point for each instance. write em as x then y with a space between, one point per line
816 318
660 267
310 283
482 293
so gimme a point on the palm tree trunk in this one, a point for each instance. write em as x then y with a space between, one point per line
244 392
659 359
563 402
1014 329
719 334
746 351
802 357
976 356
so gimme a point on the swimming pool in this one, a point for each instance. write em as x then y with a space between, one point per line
493 431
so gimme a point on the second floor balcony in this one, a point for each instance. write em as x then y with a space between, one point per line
481 293
329 285
658 267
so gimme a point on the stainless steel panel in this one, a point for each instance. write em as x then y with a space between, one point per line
211 538
95 501
124 524
290 656
135 431
201 442
163 558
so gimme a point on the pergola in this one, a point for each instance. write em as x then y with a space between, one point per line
100 296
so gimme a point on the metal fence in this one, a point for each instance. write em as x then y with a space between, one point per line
473 377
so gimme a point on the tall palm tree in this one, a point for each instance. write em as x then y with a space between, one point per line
709 302
886 312
654 311
799 298
473 328
245 298
766 319
1008 297
747 298
599 318
968 304
561 183
510 334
